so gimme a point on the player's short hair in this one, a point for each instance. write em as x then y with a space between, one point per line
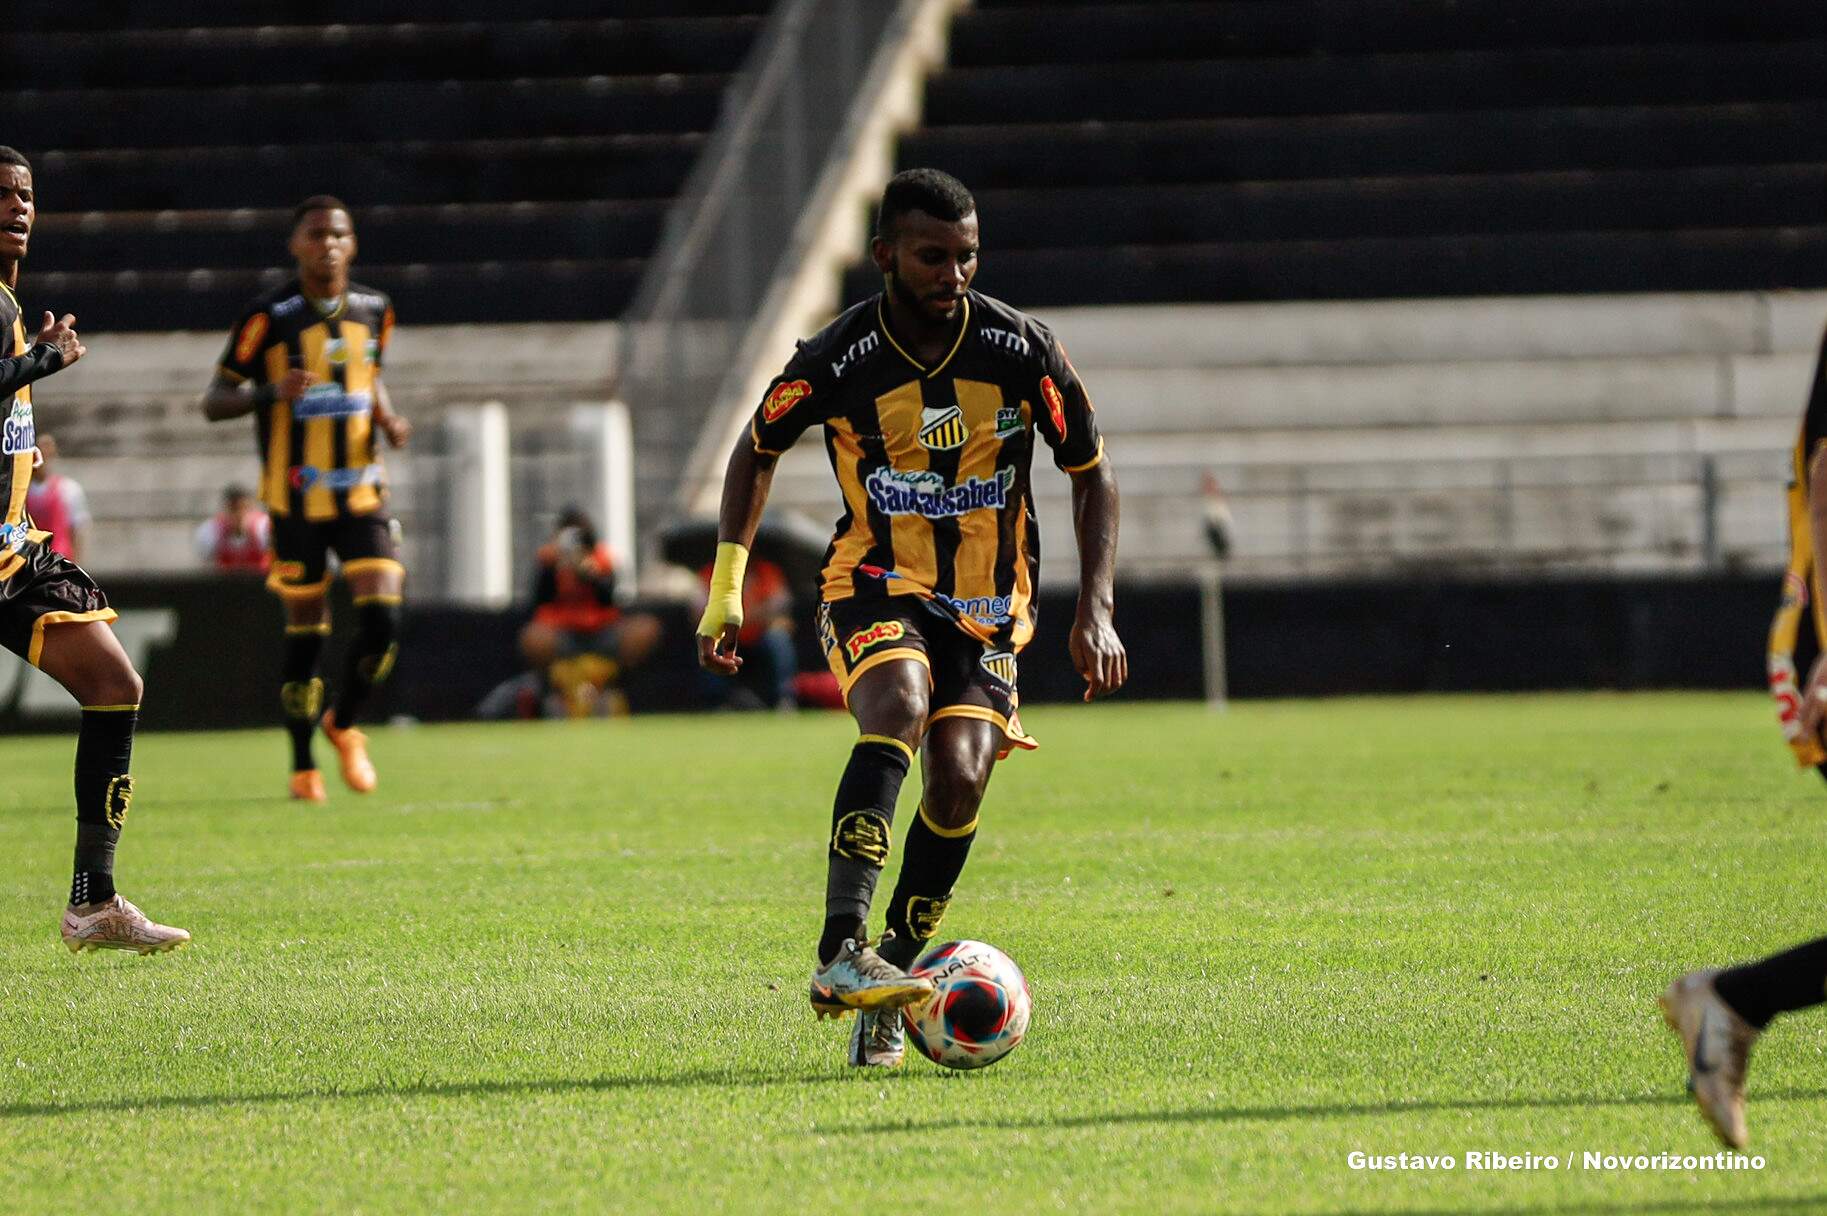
12 156
938 194
233 491
319 202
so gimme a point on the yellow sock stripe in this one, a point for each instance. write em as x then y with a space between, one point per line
295 630
110 709
892 742
378 598
948 833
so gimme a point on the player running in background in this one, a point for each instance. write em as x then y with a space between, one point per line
305 360
54 616
1801 617
929 395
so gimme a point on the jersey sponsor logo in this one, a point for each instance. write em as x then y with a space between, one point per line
252 335
784 397
1001 666
863 347
367 300
330 401
990 609
942 428
18 434
1008 421
290 304
1003 339
1056 405
14 537
310 477
925 493
875 635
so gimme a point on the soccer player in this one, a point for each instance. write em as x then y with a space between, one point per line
305 360
54 616
930 396
1801 616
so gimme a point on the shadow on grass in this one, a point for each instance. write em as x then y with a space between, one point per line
1795 1203
1276 1114
703 1078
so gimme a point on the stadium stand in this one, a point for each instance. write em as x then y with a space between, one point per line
499 165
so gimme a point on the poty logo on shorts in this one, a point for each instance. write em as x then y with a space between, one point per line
18 435
881 631
925 493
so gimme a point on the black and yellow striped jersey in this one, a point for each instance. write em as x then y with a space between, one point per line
933 461
18 449
319 457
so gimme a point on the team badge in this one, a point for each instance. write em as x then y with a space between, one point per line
875 635
943 428
252 334
1056 404
784 397
1001 666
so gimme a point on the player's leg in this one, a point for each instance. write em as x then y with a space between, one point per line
300 578
377 584
79 651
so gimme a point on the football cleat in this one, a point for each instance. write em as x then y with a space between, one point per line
1718 1044
352 746
878 1040
117 925
308 786
859 978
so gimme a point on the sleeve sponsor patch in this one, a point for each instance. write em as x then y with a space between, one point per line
252 335
785 396
1056 405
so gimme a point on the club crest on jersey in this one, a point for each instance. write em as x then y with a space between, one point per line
19 434
1056 404
784 397
875 635
1001 666
943 428
1008 421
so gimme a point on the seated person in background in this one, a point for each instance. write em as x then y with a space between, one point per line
57 504
767 675
578 637
237 539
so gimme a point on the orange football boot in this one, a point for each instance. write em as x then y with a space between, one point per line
352 746
308 786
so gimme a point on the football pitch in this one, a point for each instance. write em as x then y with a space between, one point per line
562 967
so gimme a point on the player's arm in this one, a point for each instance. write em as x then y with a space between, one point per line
746 482
55 348
1814 440
392 425
1097 652
233 391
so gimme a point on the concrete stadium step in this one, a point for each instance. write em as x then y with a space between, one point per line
54 15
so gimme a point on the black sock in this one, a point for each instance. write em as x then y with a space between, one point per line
862 820
104 791
931 860
1794 979
302 693
370 656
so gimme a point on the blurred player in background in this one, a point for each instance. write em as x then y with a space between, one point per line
1801 616
929 395
305 359
238 538
57 504
54 616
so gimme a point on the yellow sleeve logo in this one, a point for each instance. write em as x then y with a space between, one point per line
784 397
252 335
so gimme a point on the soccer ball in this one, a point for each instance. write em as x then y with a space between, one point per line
979 1010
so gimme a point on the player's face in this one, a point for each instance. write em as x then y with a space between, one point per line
17 210
930 263
323 245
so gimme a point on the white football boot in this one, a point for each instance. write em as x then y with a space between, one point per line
117 925
859 978
1718 1044
879 1040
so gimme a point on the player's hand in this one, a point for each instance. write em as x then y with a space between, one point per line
62 335
718 654
1814 700
295 383
1098 653
396 428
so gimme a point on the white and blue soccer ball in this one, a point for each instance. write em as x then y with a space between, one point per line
980 1007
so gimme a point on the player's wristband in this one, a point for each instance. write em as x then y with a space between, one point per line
724 607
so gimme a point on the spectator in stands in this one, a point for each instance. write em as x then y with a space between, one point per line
238 538
57 504
579 642
766 681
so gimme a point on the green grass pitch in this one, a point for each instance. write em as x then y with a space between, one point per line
556 967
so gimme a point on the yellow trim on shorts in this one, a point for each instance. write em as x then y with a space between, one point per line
279 581
62 618
876 660
948 833
890 740
378 598
1089 464
362 565
109 709
979 712
296 630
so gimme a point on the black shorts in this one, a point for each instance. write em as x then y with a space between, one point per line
969 678
301 548
49 589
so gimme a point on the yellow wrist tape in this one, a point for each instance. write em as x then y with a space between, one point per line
725 605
